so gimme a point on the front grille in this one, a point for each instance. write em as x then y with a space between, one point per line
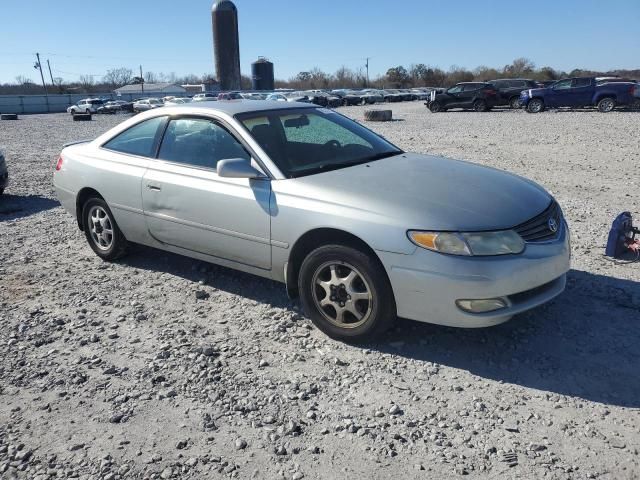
538 229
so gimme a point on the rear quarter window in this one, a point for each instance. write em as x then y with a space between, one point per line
137 140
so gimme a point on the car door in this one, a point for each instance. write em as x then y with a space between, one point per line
581 92
559 94
469 94
187 205
452 96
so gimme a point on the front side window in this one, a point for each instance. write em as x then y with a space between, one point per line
137 140
562 85
199 142
313 140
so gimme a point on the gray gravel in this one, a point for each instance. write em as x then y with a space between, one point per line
159 366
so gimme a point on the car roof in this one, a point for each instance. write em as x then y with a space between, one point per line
234 107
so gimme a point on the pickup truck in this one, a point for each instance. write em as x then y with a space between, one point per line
581 92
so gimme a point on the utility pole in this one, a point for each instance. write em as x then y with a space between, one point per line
50 74
141 80
367 65
38 66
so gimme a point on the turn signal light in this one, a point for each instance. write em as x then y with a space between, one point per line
59 163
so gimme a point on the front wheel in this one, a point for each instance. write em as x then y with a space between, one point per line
346 293
606 105
535 105
101 230
435 107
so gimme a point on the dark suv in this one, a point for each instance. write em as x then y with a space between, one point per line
509 90
478 96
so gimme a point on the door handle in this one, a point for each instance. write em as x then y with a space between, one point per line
155 188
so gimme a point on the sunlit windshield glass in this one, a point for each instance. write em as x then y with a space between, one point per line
307 141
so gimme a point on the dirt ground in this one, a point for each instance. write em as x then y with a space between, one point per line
159 366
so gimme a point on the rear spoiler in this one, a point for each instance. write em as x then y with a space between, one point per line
76 143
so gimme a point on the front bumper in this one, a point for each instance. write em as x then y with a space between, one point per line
427 284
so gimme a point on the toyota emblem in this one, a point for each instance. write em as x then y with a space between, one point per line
553 225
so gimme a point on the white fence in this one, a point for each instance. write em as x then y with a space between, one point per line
58 103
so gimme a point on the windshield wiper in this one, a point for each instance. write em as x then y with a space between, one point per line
327 167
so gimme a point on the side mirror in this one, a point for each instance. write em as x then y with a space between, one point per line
237 168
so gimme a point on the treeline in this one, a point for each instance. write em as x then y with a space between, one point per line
421 75
416 75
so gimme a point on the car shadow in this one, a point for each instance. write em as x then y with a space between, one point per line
228 280
13 207
583 344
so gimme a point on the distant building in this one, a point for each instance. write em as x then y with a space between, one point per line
160 89
202 87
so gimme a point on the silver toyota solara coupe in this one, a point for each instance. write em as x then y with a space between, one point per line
362 231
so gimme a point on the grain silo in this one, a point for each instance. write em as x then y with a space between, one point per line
226 44
262 74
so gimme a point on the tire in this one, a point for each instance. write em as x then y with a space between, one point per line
1 191
535 105
606 105
378 115
96 220
514 102
635 106
87 111
480 106
435 107
325 271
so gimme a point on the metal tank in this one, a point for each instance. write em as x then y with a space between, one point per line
262 74
226 44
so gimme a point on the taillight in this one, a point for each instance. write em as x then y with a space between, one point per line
59 163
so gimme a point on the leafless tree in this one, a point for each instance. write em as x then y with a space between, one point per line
118 77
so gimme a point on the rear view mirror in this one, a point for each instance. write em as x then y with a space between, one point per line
301 121
237 168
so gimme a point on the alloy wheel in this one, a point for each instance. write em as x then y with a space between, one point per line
341 294
101 228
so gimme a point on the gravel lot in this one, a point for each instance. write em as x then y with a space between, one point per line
159 366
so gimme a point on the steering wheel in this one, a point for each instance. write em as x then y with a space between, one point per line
333 144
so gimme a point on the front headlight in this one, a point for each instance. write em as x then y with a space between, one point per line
503 242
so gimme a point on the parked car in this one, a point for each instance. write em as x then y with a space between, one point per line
391 96
347 97
177 101
580 92
205 97
147 104
288 97
87 105
478 96
509 90
4 173
115 106
229 96
370 96
362 231
421 93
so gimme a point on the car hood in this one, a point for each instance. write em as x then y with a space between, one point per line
427 192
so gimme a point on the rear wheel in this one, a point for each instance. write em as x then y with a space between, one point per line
535 105
480 106
606 105
514 103
435 107
101 230
346 293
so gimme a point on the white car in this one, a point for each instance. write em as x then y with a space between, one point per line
87 105
147 104
177 101
205 97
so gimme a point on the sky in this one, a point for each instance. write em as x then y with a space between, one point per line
89 37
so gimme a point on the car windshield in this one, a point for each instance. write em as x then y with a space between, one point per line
313 140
